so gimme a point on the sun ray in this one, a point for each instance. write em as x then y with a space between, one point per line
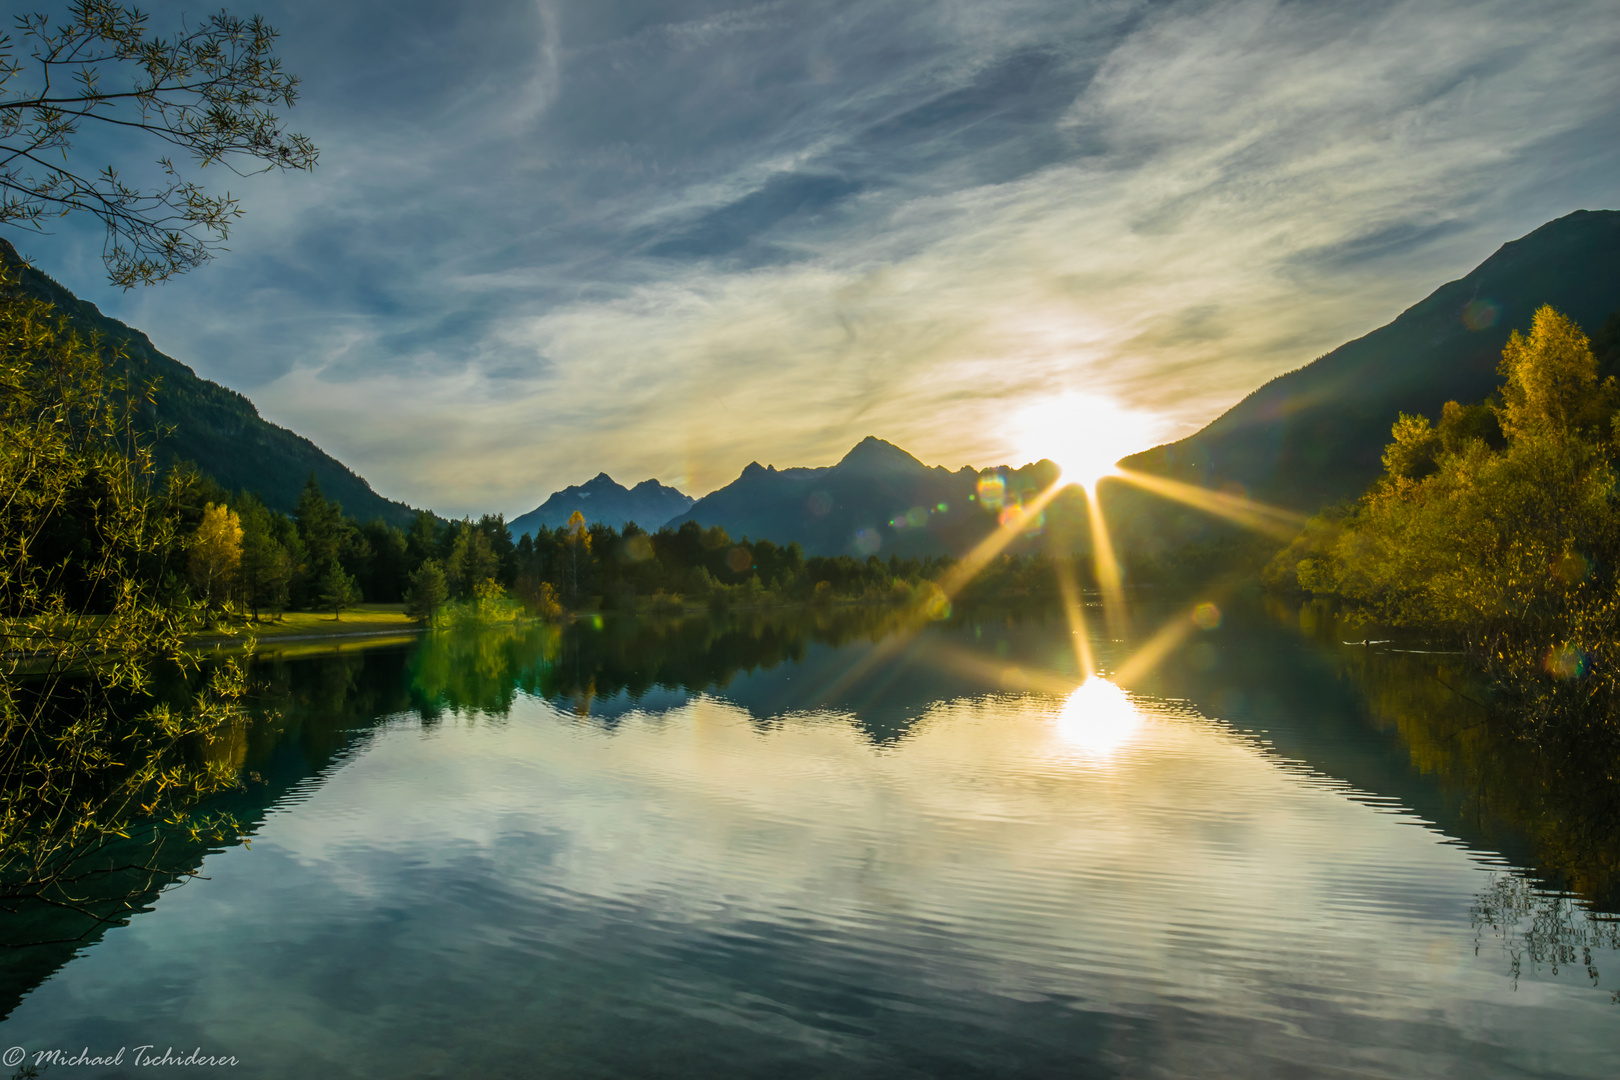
1272 520
951 585
1006 532
1075 614
1148 655
1110 582
1006 674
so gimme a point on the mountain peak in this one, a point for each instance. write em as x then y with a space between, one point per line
651 486
602 499
872 452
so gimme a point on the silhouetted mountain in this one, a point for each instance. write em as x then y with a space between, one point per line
877 500
1315 435
218 429
648 504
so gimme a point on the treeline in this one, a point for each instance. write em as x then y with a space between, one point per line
260 561
1497 526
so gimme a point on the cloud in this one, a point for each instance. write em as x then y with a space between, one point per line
725 229
666 239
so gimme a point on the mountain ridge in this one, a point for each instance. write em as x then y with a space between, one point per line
602 499
877 499
213 426
1315 435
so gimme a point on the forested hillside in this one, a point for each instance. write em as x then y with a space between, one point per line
216 428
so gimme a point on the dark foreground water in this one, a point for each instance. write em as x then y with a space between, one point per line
834 845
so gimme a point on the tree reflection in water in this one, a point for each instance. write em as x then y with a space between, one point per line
1551 803
1542 929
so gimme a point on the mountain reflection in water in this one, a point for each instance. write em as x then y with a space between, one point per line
842 842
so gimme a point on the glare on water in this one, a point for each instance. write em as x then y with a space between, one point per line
1098 720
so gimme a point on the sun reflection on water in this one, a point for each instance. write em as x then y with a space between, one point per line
1098 720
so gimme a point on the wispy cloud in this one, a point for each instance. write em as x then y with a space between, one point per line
665 239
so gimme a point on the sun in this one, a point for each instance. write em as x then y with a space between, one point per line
1083 433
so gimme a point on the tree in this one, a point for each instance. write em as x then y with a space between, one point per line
1511 550
86 746
472 562
337 591
321 524
427 592
216 553
1551 376
387 576
266 567
422 542
538 597
209 91
578 540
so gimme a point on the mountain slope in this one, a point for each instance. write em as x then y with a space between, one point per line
219 429
1315 435
648 504
877 500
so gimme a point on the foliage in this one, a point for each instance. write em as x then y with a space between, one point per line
337 591
1551 389
538 597
88 622
487 606
265 571
1512 550
210 91
428 591
472 561
216 553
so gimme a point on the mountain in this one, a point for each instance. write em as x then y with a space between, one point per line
877 500
218 429
648 504
1316 435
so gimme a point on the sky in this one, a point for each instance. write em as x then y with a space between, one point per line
666 238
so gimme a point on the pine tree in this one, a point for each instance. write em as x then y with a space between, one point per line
428 591
338 591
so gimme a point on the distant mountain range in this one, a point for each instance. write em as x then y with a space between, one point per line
878 500
1316 435
218 429
649 504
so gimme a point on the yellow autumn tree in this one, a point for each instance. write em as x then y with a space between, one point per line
579 543
1512 550
216 553
1551 387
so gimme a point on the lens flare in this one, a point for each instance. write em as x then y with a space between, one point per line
1481 314
1567 662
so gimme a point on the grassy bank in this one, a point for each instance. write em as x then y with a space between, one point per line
364 619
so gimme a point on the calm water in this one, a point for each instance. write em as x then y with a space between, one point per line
836 846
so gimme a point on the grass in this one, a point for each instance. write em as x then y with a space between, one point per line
363 619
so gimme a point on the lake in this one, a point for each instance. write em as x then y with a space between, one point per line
843 843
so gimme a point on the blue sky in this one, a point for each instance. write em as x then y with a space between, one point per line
666 239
